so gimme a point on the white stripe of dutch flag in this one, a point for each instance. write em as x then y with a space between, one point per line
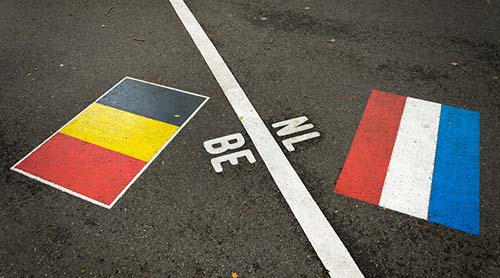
408 183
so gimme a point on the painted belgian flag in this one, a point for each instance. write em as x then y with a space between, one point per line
100 153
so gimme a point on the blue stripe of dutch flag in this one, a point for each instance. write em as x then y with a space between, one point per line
454 200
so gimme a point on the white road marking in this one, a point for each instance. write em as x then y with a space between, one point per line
323 238
288 143
407 186
232 158
224 143
292 126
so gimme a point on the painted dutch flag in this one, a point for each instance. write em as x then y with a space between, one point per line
417 157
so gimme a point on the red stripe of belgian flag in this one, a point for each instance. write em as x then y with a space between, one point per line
89 170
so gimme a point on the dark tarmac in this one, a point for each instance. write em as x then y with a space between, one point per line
180 218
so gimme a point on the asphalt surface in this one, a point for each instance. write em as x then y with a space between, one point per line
181 219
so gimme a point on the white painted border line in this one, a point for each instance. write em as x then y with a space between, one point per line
318 230
407 186
49 183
